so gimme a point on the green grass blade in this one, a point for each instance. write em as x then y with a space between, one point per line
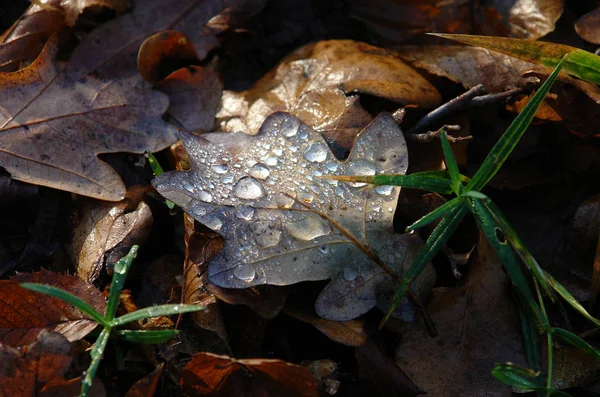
154 311
147 337
582 64
67 297
432 181
530 340
118 281
451 164
154 164
96 354
435 214
570 299
576 341
438 237
511 137
511 236
516 376
491 230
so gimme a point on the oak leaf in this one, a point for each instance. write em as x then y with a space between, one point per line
284 222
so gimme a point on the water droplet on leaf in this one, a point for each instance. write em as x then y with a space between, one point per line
245 272
259 171
309 227
219 168
248 188
316 152
350 273
360 167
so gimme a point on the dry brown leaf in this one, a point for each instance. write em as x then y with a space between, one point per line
201 244
478 327
529 19
24 40
349 333
38 370
469 66
265 300
53 124
107 230
25 313
380 374
213 375
313 81
146 387
588 26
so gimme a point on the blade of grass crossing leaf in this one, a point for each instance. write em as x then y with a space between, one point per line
530 340
582 64
511 137
491 228
438 237
118 281
451 164
435 214
67 297
576 341
570 299
96 354
154 311
513 238
436 182
147 337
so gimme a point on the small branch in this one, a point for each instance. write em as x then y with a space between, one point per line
429 136
474 97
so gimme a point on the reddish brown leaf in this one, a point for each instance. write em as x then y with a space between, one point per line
478 327
146 387
107 230
24 313
194 95
214 375
38 370
350 333
588 26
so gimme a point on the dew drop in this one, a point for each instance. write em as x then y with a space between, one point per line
213 222
324 248
316 152
278 151
176 308
293 148
360 167
384 190
244 212
248 188
290 127
308 228
245 272
350 273
188 186
227 178
197 208
219 168
271 160
205 196
259 171
303 133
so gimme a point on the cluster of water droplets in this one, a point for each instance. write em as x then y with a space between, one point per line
256 196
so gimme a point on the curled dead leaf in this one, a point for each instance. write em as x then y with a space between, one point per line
588 26
107 230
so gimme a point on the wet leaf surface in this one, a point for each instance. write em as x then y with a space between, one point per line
26 313
214 375
283 223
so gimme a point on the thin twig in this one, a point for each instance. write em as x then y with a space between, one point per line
429 136
474 97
